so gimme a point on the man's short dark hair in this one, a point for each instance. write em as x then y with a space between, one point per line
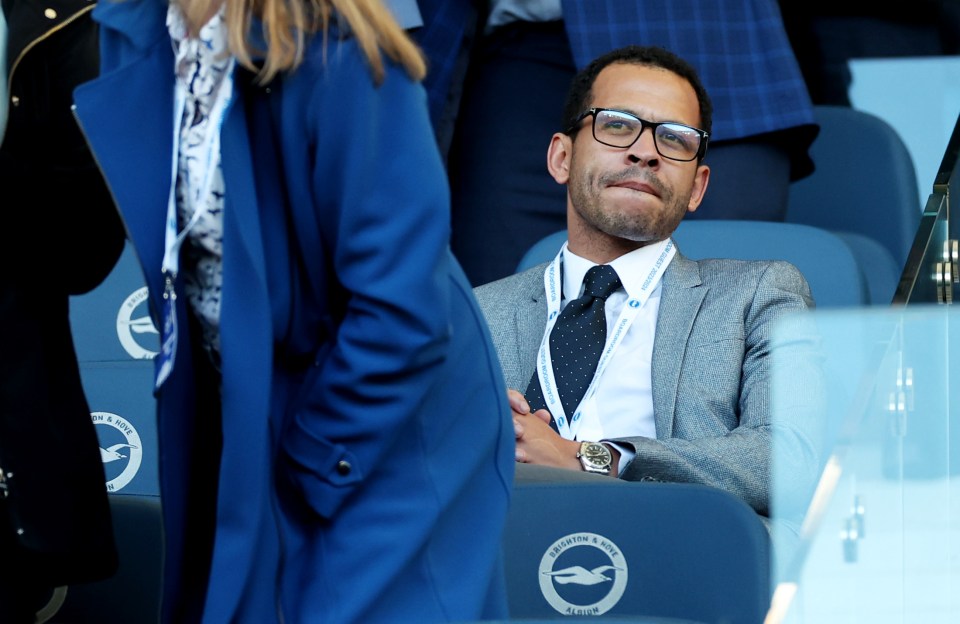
578 99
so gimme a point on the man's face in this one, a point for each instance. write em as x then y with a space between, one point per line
628 197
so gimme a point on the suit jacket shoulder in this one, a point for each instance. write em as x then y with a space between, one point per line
516 310
500 297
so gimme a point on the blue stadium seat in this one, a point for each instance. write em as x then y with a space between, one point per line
115 341
645 550
825 259
865 182
878 268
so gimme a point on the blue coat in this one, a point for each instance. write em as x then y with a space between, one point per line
367 447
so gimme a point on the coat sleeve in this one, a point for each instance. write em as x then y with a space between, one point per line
380 191
739 460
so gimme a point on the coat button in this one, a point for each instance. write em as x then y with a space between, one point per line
343 468
15 100
50 14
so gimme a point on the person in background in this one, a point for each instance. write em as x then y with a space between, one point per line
445 31
55 526
503 199
322 355
634 361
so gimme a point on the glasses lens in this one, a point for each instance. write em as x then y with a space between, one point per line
677 141
615 128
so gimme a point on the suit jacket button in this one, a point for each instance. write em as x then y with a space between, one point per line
343 468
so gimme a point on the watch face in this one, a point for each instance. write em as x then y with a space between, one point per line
596 454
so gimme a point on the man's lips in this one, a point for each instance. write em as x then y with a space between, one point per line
637 186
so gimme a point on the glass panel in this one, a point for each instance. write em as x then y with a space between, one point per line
881 538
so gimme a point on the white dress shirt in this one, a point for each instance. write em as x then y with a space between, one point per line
624 394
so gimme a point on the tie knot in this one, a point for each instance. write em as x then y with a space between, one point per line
601 281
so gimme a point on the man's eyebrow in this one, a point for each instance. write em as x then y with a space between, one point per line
645 116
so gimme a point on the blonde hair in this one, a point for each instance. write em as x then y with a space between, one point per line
288 23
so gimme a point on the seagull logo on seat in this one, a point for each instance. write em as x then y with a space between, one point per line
581 576
113 453
135 329
121 450
593 577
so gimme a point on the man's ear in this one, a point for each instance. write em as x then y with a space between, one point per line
700 181
558 157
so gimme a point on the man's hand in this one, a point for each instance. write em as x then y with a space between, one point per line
537 443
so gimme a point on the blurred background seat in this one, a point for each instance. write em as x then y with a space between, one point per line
115 341
864 184
826 260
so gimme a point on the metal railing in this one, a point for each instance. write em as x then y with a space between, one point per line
931 271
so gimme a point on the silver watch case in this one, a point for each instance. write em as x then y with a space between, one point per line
595 457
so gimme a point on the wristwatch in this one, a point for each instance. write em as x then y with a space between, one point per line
595 457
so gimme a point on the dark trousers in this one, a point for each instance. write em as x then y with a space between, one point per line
503 198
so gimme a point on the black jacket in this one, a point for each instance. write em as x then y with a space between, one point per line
61 235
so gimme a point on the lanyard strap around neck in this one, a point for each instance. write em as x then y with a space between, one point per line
570 426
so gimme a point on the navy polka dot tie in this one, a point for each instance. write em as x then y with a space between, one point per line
577 341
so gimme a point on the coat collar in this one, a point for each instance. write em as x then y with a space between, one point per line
142 22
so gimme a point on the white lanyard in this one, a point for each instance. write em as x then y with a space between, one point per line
569 427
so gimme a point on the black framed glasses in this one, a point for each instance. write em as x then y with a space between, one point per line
621 129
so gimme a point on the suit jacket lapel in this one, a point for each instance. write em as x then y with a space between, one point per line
680 302
530 315
530 320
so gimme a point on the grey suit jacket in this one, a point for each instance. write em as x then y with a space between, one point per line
711 371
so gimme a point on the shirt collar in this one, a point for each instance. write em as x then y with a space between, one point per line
632 268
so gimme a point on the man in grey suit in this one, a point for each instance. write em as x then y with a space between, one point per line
681 391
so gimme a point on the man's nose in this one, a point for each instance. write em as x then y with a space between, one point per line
644 149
